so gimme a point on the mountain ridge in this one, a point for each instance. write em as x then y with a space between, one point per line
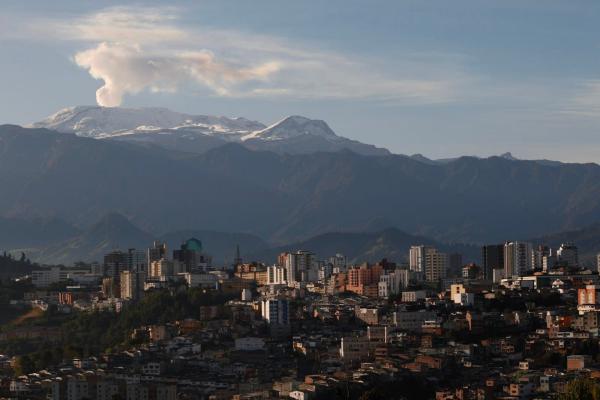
289 197
199 133
116 232
390 243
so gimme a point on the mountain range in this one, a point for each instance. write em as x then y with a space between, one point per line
248 182
200 133
391 244
114 231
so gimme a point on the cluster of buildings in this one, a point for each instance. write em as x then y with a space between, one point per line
518 258
519 324
126 275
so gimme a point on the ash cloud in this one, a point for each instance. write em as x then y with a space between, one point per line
128 69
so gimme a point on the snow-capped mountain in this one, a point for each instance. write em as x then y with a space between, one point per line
293 126
105 122
199 133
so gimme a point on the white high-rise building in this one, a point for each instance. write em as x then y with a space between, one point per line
276 275
300 266
275 311
391 282
417 257
517 258
428 262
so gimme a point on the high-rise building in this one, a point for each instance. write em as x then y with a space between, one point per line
540 257
114 263
391 282
492 257
471 271
325 271
567 255
276 275
428 262
300 266
137 260
598 262
276 311
517 258
417 257
455 265
364 279
158 251
338 263
191 258
436 265
161 268
132 284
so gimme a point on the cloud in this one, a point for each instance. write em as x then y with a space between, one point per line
135 49
128 69
586 100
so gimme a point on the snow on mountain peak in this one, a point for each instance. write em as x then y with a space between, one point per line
293 126
100 122
106 122
199 133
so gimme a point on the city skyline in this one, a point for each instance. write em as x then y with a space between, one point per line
267 200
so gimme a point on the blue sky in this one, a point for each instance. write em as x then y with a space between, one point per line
439 78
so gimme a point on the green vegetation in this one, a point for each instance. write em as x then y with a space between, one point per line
581 389
11 267
91 333
401 389
11 290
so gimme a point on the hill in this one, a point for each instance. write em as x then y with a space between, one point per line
115 231
359 247
287 198
200 133
586 239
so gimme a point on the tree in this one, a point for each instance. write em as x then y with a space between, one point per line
581 389
24 365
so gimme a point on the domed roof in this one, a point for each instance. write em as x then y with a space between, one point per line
193 244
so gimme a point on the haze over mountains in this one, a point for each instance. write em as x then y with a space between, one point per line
168 172
114 231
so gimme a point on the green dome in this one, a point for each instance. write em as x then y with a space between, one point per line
193 244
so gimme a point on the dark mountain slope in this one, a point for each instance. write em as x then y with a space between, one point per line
286 198
392 244
586 239
114 231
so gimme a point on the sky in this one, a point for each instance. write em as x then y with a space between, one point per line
440 78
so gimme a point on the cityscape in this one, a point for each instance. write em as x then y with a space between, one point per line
158 323
305 200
